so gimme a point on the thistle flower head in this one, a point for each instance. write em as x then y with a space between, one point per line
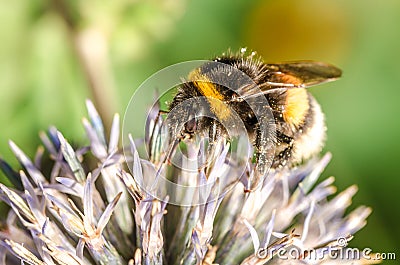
82 212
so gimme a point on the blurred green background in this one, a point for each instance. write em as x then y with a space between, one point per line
55 54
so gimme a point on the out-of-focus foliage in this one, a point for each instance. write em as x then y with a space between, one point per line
56 53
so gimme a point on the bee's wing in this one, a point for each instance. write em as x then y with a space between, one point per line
298 74
301 73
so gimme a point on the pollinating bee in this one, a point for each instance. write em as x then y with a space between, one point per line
283 121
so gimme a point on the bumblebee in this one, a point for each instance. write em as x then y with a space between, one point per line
221 87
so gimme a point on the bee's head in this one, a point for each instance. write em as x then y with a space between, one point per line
189 128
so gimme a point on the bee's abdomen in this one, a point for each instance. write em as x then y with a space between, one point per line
310 138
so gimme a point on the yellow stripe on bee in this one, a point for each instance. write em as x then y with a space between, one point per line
214 97
296 106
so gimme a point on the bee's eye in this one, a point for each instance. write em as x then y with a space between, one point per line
190 126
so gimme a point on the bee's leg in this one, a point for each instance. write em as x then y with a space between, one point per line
265 149
165 160
284 156
213 135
